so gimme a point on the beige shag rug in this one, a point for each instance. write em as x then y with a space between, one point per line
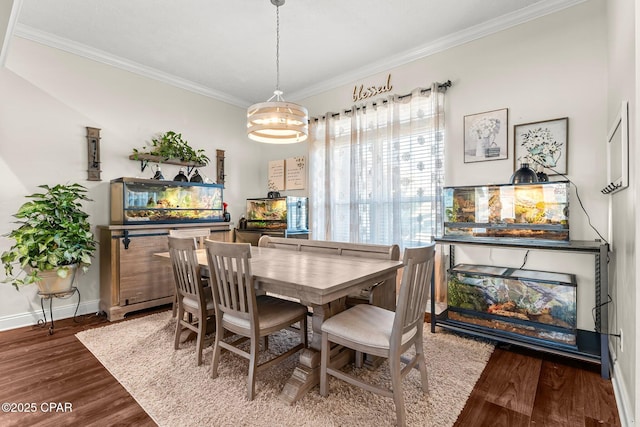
174 391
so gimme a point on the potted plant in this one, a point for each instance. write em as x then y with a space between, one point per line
53 240
171 145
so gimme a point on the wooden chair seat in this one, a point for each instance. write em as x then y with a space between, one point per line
193 303
355 327
272 314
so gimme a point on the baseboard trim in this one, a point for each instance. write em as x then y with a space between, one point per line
625 411
61 312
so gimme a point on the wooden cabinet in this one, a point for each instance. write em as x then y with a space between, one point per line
131 277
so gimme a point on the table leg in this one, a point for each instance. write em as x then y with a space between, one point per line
307 374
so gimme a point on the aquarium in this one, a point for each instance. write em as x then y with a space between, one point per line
538 304
538 211
141 201
280 213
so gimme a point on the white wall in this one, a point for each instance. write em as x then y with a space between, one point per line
622 83
48 97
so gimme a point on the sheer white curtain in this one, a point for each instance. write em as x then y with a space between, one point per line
376 171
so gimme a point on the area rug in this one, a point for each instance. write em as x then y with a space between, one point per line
174 391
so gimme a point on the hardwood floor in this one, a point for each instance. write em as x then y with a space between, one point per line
517 388
521 387
38 369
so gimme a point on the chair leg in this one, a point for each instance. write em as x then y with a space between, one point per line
174 309
202 331
324 362
253 364
396 384
422 366
176 343
216 354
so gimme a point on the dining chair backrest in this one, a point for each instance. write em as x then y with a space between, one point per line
191 296
332 248
186 270
197 234
373 293
234 291
416 278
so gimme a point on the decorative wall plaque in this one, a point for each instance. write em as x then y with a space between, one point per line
93 152
296 173
276 175
220 175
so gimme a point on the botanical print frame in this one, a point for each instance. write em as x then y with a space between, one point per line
485 136
542 143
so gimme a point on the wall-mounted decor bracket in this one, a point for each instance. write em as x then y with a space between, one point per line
220 175
93 151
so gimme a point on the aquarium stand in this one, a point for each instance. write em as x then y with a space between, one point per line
590 346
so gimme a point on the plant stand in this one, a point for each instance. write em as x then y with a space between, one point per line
50 296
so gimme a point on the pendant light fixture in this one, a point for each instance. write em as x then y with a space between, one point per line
277 121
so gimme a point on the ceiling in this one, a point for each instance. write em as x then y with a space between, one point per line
227 49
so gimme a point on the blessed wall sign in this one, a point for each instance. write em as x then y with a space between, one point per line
361 93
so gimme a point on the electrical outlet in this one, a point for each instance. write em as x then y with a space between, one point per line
621 342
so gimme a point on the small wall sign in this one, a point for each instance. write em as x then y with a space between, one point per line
296 173
276 175
361 93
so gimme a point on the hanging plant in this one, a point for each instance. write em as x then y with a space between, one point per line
170 145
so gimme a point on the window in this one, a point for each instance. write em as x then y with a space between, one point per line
376 172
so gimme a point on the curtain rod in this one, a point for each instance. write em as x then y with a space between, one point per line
444 85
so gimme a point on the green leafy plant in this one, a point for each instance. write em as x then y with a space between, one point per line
54 232
170 145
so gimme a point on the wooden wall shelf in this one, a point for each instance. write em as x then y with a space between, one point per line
146 158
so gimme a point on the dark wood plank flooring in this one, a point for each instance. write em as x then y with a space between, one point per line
517 388
521 387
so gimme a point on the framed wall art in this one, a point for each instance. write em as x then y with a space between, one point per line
485 136
618 152
543 145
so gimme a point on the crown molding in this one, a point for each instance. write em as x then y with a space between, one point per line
7 28
473 33
493 26
97 55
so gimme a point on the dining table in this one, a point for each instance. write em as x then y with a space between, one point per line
320 281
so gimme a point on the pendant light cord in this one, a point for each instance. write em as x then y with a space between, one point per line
278 49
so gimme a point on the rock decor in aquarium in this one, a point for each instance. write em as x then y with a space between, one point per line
536 304
532 211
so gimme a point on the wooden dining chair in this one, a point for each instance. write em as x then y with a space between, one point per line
198 235
192 297
240 312
380 332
